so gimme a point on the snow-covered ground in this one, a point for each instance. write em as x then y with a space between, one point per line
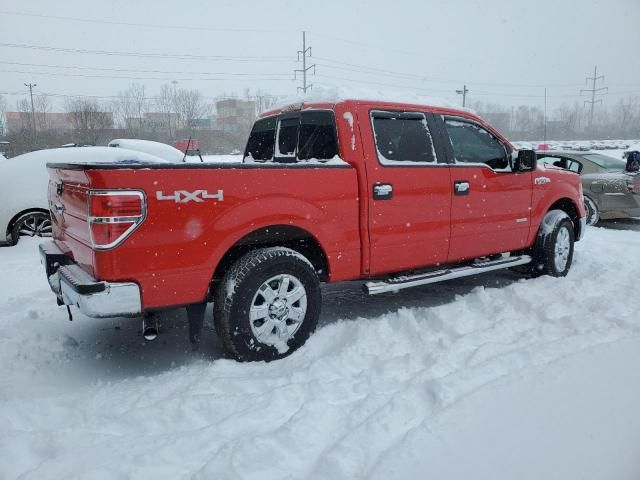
492 377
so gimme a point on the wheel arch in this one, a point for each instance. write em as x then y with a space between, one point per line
570 208
20 214
290 236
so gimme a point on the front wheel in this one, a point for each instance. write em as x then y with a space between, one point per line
267 304
553 251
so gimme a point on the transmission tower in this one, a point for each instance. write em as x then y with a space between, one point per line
305 50
593 90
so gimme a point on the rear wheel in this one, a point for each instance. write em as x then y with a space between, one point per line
592 211
267 304
31 224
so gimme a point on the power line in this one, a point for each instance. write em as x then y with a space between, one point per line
122 77
145 25
170 72
184 56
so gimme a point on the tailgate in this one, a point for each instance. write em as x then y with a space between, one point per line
68 191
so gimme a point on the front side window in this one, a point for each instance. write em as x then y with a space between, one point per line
402 138
472 143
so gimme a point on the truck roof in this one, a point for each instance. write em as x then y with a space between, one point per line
435 106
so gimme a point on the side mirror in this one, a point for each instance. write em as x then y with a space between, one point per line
526 160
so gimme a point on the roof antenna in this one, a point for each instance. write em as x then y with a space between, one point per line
184 159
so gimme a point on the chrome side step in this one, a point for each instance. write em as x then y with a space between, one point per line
407 281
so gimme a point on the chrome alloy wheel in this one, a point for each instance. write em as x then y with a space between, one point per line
562 249
34 225
278 309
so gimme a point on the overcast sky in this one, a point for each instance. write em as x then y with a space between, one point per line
505 51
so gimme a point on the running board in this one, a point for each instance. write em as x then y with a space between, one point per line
407 281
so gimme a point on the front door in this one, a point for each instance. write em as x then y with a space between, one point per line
491 204
409 192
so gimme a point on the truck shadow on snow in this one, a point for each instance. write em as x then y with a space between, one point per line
632 224
113 349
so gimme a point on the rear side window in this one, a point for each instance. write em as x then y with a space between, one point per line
261 144
288 138
317 136
472 143
402 138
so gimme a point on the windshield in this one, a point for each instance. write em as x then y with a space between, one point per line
606 162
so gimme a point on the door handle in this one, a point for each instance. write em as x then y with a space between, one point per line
461 187
382 191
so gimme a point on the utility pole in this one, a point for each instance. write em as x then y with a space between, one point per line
593 90
463 92
33 111
544 119
304 68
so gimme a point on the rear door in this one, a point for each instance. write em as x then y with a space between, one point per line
409 195
490 208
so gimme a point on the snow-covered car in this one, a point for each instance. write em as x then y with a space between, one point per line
609 191
157 149
24 210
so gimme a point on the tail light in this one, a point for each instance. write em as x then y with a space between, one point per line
114 215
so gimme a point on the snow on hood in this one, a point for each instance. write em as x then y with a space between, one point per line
160 150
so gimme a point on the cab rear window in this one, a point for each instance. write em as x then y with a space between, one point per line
288 138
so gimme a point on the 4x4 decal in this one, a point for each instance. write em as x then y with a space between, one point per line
183 196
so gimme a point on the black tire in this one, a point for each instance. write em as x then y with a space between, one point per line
592 211
242 290
553 251
31 224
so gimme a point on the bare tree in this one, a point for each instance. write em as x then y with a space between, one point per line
24 109
88 119
131 106
166 104
190 105
42 107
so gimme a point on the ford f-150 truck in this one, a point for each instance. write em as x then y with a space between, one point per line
393 194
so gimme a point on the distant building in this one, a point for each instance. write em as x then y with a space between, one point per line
235 115
59 121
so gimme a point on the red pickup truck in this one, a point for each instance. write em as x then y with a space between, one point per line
393 194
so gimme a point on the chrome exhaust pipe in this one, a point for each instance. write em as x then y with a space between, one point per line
150 327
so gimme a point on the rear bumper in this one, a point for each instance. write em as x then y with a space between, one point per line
74 286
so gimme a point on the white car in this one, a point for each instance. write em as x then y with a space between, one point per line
24 210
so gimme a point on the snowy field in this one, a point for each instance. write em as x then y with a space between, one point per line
490 377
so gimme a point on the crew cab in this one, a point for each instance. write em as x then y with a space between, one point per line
392 194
